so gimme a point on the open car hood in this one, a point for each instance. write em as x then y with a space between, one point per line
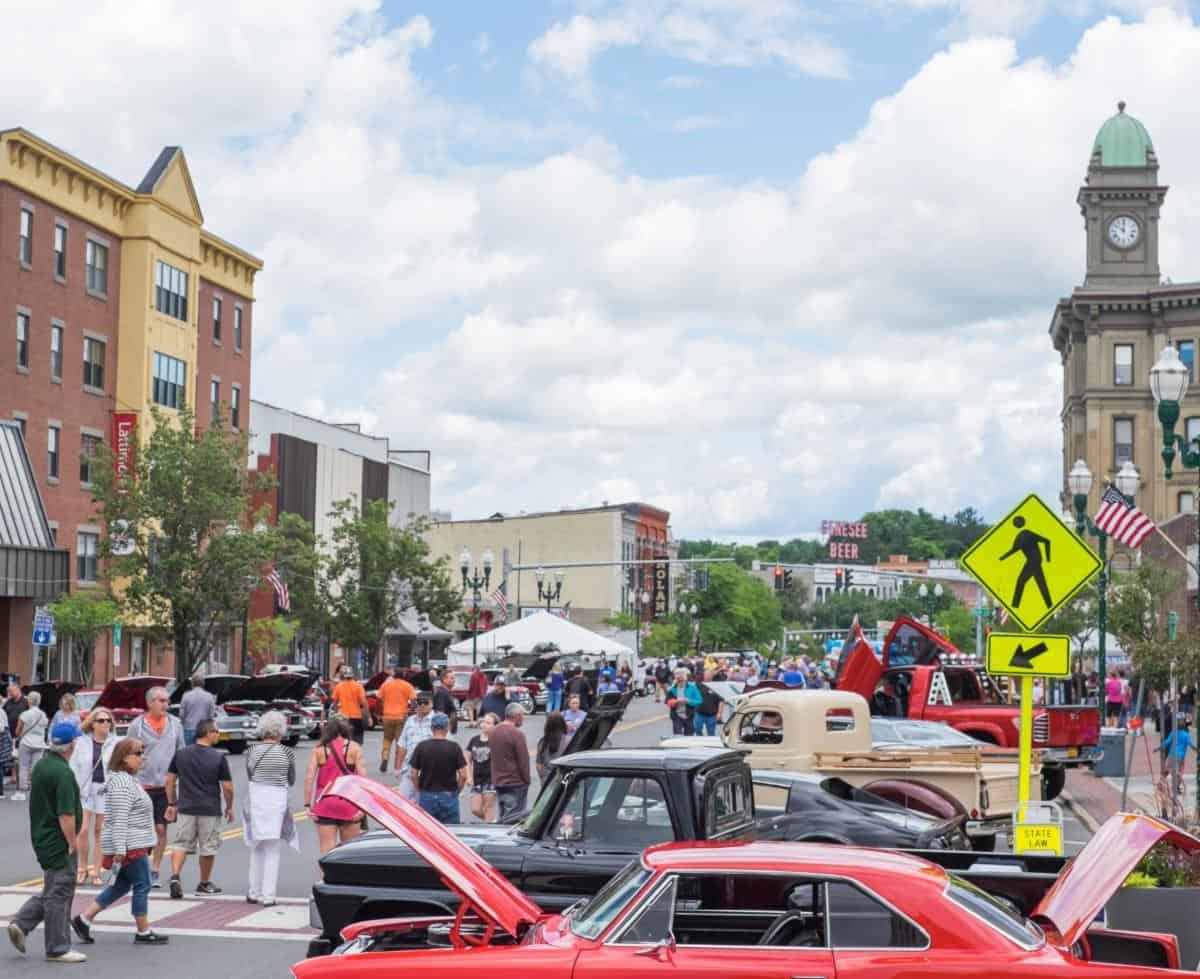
1099 869
274 686
604 715
223 686
375 682
129 693
858 668
463 871
51 693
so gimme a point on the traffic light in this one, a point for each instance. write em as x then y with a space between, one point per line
848 579
787 578
838 583
778 578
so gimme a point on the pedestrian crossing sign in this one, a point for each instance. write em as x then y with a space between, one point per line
1031 562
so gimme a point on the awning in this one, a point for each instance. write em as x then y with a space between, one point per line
30 565
409 625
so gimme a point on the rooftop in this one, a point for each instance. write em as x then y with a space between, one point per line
1122 142
793 857
649 759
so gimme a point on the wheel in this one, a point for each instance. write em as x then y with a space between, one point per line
984 844
1053 781
292 742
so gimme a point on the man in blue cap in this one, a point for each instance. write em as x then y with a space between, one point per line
55 815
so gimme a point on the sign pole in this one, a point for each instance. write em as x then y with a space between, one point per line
1026 759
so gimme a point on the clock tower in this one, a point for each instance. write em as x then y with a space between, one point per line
1120 201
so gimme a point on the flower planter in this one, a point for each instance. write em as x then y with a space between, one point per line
1173 910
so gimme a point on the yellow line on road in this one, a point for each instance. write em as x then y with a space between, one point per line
622 728
28 883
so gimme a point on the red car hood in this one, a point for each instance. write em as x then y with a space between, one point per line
463 871
1095 873
129 693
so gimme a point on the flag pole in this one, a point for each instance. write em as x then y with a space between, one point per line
1175 547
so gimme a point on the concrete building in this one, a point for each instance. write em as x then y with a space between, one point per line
118 299
1110 329
316 464
619 533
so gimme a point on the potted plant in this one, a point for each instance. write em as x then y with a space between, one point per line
1162 894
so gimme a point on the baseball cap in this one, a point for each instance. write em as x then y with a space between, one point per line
439 721
64 732
424 697
501 682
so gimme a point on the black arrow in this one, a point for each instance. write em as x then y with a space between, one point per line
1023 658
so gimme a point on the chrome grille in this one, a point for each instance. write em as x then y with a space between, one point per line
1041 729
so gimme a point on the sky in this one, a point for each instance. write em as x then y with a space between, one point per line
758 262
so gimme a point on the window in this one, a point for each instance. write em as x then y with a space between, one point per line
606 810
56 343
26 244
653 924
1185 502
235 407
963 686
598 913
93 363
170 379
22 421
1000 916
23 341
217 318
171 291
1123 363
60 251
730 805
214 399
1192 427
1122 441
237 327
53 442
87 449
761 727
85 555
858 920
97 267
1187 353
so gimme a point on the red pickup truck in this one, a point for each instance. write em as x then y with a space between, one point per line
921 675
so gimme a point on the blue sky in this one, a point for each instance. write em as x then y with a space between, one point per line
758 262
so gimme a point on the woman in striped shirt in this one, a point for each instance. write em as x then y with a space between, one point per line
266 815
126 840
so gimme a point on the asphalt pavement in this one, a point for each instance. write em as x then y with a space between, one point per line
223 936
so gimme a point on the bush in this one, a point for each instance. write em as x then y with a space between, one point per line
1166 866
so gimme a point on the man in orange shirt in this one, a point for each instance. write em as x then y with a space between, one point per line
394 697
350 699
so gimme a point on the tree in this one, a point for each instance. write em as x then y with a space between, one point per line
1079 620
271 639
624 621
79 619
178 541
1137 616
299 562
376 570
957 623
793 602
737 611
663 641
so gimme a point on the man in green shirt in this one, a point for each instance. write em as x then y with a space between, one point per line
54 818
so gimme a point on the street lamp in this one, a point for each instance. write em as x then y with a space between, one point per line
423 625
641 600
693 610
925 592
472 579
551 595
1079 482
1169 384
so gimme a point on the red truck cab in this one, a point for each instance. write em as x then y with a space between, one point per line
921 675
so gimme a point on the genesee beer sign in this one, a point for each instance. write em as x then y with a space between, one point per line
842 550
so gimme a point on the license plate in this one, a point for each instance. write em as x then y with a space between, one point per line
1072 752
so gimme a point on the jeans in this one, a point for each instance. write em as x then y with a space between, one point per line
442 806
134 876
264 869
189 736
511 799
52 907
554 700
705 723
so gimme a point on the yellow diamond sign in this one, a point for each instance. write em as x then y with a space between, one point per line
1031 562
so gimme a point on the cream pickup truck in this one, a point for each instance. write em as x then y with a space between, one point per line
829 732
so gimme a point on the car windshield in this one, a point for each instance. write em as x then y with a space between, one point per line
86 701
591 919
998 914
541 806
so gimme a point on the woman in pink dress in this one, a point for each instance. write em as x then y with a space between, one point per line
335 755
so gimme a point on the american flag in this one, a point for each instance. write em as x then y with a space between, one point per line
500 598
281 591
1002 616
1121 520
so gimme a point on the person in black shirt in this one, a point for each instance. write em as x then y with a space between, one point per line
197 780
439 771
479 753
578 686
497 701
444 700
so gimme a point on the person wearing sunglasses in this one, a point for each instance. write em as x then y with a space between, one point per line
127 840
89 762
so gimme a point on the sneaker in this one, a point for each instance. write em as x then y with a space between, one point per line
70 958
83 931
207 887
176 889
251 900
150 938
267 902
18 797
16 936
383 765
155 883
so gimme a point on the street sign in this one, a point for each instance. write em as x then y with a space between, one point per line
1031 562
43 627
117 634
1037 828
1023 655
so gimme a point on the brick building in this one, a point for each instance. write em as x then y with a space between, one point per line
1181 529
118 300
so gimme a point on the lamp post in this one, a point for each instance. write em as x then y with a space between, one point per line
423 625
472 579
550 595
692 609
1079 482
925 592
641 600
983 613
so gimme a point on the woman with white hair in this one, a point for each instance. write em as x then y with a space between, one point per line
266 817
31 735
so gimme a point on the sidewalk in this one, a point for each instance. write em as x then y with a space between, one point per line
1094 799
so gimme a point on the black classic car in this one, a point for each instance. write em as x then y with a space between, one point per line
274 691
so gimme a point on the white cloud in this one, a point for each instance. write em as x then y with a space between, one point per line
1015 17
752 354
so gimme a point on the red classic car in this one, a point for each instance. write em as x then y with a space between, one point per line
780 910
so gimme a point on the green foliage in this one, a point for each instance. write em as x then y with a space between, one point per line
663 641
737 611
1167 866
625 621
1139 879
1137 616
299 562
80 618
270 640
189 559
957 623
793 602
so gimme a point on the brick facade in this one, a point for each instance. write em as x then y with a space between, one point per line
1181 530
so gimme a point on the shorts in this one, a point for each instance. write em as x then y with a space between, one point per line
1112 709
327 821
197 833
480 789
392 728
92 798
158 798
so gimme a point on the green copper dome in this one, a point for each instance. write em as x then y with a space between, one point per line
1122 141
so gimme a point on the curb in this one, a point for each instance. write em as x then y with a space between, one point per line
1080 813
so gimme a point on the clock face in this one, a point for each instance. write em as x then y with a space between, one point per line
1123 231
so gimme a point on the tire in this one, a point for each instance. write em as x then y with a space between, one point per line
1054 779
984 844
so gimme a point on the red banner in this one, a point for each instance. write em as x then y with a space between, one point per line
124 442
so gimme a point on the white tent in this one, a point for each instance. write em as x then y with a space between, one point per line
541 628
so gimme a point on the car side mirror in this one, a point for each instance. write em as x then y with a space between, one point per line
662 950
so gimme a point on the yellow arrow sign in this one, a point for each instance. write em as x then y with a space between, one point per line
1031 562
1022 655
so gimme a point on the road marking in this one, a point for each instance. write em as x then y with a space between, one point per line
32 882
622 728
299 816
277 936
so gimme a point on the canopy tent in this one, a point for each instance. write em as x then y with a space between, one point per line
540 629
